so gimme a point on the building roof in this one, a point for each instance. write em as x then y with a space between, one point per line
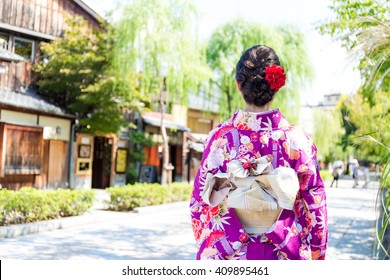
31 101
7 55
88 9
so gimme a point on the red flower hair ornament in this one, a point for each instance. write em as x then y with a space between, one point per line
275 76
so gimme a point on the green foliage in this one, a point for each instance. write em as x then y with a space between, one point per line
363 27
347 12
229 42
328 137
326 175
156 48
126 198
31 205
369 122
75 74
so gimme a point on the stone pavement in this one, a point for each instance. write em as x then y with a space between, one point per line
351 220
164 232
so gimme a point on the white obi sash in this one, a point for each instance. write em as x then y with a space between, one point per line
255 190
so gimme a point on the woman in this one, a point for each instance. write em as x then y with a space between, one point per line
245 144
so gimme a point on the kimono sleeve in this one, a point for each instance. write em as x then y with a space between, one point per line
210 163
311 208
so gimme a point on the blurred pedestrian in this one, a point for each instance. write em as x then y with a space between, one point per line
336 175
336 172
355 173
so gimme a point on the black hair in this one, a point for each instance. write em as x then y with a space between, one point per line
250 74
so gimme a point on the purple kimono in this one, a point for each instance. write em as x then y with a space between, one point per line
300 233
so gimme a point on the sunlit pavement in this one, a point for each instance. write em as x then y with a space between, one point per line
351 213
165 233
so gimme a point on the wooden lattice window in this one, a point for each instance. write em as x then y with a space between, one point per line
22 149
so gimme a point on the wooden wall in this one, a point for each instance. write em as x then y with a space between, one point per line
58 163
17 75
44 16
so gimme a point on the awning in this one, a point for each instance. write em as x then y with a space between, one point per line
31 101
168 124
197 147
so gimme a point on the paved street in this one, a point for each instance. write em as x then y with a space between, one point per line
165 233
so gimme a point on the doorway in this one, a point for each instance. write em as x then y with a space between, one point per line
101 167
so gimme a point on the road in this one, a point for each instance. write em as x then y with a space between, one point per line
164 233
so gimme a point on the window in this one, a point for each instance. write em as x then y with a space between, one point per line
24 47
22 148
3 41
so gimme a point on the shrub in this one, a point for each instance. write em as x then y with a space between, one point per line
128 197
326 175
31 205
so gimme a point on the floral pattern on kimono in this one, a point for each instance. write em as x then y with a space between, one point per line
300 233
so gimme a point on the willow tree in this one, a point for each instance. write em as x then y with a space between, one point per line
156 46
228 43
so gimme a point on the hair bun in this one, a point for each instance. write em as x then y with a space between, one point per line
256 79
257 86
249 64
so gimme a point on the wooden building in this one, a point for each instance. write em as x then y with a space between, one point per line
38 144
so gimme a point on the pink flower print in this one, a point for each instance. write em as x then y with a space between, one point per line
304 180
254 137
292 154
206 218
214 211
311 219
243 149
296 210
244 237
214 236
317 199
197 227
219 142
304 252
294 230
303 233
320 234
303 168
215 158
243 126
205 209
264 139
249 146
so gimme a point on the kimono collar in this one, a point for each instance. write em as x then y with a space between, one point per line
272 119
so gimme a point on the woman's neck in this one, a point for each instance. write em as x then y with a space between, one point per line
258 109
